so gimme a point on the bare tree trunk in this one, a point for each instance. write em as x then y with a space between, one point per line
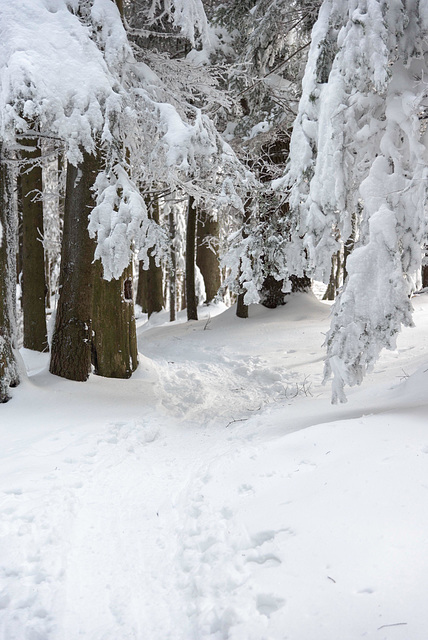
191 302
114 340
71 343
9 376
33 258
207 258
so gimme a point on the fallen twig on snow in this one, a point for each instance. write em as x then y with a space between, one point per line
394 624
237 420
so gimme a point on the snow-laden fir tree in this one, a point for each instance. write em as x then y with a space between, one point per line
268 42
358 157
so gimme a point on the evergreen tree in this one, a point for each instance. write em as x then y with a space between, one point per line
270 44
358 169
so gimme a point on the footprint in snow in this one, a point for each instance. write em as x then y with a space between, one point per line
266 559
267 604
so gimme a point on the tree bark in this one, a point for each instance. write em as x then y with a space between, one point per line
348 246
332 287
172 268
9 376
424 276
155 300
71 343
150 291
33 258
191 302
141 297
114 341
206 258
241 307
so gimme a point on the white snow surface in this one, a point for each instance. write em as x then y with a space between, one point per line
218 494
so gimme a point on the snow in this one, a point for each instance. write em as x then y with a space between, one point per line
218 494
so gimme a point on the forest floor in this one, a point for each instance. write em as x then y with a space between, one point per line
218 495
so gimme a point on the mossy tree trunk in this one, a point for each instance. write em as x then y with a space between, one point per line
9 376
71 343
191 302
207 257
33 255
114 341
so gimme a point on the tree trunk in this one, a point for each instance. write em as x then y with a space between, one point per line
9 376
333 285
71 344
119 4
424 276
114 342
348 246
33 258
19 247
241 307
206 258
150 291
172 268
141 297
424 269
155 301
191 302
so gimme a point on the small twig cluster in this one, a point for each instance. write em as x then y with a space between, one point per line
299 389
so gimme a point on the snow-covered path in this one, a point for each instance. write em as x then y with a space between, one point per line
204 499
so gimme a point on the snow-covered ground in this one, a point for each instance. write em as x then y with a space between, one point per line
218 494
